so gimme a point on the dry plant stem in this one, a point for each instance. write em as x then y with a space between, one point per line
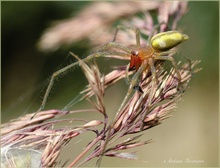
99 161
86 150
25 121
95 84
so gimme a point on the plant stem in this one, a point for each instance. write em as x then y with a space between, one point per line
86 150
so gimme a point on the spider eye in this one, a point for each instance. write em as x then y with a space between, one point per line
135 53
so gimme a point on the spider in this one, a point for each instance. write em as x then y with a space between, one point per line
142 58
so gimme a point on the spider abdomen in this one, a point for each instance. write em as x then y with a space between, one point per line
167 40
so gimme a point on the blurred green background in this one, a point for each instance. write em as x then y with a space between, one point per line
193 132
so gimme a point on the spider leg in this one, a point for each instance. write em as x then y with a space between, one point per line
137 33
56 74
133 83
189 61
127 75
115 45
165 56
50 85
152 90
123 48
161 56
174 52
